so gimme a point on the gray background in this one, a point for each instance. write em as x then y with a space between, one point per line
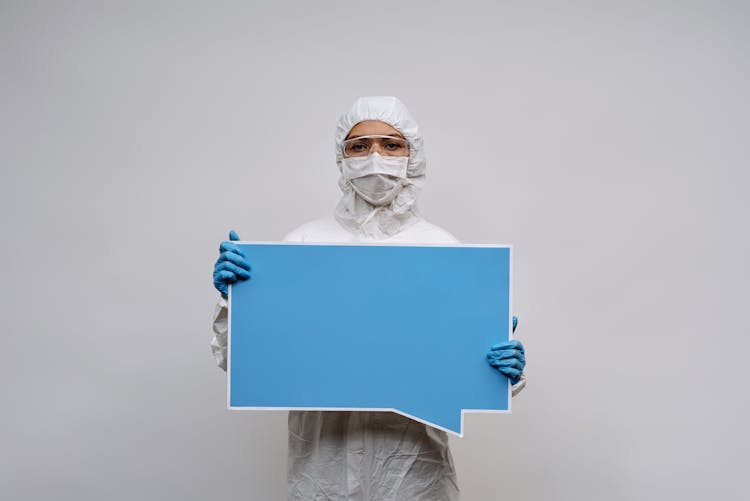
607 141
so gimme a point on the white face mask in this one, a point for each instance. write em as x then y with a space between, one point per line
378 189
375 178
354 167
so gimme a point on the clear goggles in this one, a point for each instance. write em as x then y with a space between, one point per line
362 146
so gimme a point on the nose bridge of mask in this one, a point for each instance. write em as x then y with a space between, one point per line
355 167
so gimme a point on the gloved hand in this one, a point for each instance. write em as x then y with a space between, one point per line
508 358
231 265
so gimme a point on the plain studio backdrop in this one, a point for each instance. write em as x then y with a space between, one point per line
607 141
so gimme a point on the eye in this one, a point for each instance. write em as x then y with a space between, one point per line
357 147
395 146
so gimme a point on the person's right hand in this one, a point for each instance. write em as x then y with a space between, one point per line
231 265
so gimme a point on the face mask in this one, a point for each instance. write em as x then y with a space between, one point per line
375 178
378 189
356 167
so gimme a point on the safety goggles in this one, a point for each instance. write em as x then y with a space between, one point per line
362 146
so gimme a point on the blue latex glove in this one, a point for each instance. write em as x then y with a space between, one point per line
231 265
508 358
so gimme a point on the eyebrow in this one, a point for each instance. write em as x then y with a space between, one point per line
398 134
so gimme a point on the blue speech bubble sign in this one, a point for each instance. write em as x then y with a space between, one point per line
371 327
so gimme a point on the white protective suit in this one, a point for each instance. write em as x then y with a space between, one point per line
341 455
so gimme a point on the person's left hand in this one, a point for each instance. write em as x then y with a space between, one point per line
508 358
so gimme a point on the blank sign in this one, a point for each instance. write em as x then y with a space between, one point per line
371 327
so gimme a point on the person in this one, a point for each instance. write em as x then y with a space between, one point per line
367 455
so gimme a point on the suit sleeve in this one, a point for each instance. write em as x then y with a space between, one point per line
221 328
520 385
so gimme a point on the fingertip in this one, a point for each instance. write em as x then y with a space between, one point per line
233 236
